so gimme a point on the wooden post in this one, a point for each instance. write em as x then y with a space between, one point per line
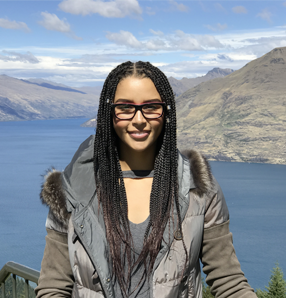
3 289
26 288
14 286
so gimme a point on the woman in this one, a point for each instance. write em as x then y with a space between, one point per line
130 216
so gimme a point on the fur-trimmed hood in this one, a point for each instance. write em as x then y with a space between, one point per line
60 189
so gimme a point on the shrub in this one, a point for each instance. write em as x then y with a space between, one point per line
276 285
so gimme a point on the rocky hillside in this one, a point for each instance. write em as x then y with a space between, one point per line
241 117
180 86
40 99
89 123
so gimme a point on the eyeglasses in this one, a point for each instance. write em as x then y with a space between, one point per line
127 111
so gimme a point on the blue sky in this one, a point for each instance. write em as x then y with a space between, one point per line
77 42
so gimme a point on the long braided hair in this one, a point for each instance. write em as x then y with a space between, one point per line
110 184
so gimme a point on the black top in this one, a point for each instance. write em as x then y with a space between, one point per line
137 231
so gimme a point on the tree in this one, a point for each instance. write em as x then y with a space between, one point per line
276 285
206 290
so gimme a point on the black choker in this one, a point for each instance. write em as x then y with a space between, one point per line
138 174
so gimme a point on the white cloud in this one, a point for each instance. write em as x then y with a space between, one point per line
266 15
85 65
179 6
220 8
239 9
217 27
89 59
178 41
51 22
110 9
191 42
5 23
155 44
14 56
158 33
124 38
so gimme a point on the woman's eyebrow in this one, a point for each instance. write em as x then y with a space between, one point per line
131 101
124 100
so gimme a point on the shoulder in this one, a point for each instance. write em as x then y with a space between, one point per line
205 185
57 191
200 169
53 196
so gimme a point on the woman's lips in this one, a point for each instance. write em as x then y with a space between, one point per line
137 135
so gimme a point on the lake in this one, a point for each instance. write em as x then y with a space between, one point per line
255 194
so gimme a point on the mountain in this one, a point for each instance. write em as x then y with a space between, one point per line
89 123
51 85
41 99
96 90
180 86
241 117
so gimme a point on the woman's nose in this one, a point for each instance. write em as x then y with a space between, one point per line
138 117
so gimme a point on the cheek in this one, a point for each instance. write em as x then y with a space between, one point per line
118 126
158 126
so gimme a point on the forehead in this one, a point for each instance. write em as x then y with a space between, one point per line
136 90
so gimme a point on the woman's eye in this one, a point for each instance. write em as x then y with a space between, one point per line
125 107
152 107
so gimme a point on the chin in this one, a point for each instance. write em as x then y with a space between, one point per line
139 147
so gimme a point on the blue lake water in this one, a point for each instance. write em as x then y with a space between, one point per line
255 194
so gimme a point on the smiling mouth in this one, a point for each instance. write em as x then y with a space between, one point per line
139 134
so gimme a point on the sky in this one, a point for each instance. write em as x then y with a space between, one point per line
78 42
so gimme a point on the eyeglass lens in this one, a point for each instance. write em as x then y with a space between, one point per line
150 111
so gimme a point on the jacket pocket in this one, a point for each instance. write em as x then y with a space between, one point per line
80 292
84 273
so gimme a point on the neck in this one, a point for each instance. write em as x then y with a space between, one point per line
136 160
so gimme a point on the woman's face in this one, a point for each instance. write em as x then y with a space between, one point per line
138 134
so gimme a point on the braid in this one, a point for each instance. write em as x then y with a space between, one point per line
110 184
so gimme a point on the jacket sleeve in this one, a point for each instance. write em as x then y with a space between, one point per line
218 257
56 277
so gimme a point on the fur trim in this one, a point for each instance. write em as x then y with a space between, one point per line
53 196
201 171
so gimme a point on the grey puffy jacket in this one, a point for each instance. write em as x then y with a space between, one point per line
75 261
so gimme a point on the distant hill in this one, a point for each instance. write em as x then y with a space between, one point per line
241 117
180 86
96 90
51 85
89 123
40 99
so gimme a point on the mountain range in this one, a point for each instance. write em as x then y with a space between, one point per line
36 99
241 117
227 115
180 86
